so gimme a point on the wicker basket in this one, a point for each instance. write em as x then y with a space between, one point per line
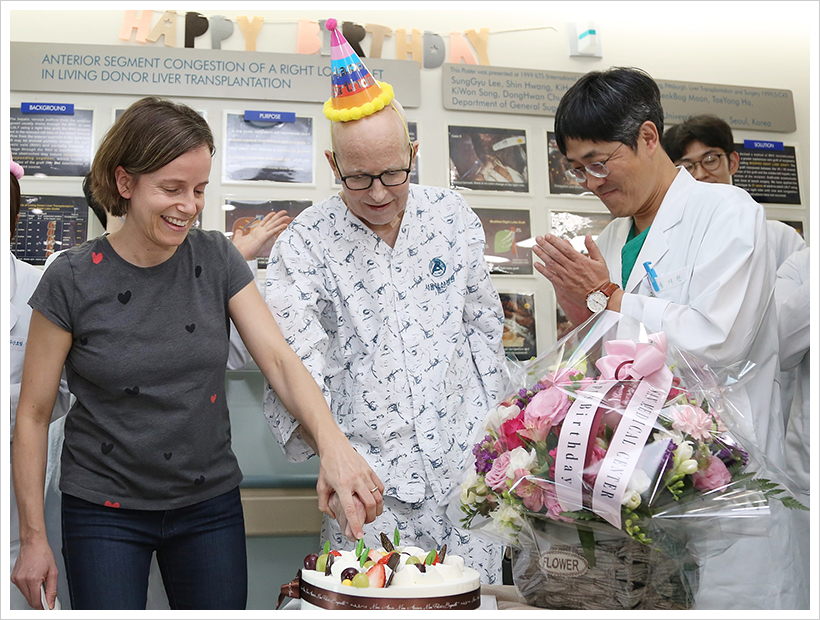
550 570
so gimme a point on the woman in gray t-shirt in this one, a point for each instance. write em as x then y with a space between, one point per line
140 320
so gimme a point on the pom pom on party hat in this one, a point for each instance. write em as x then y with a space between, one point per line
355 92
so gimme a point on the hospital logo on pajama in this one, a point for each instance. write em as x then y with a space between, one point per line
438 268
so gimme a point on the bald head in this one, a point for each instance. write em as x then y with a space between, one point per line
386 128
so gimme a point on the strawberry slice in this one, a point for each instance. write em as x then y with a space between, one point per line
336 553
376 575
385 558
374 555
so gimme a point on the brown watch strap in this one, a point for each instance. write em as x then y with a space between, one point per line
608 289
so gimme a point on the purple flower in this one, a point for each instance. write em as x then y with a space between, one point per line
668 456
731 455
484 455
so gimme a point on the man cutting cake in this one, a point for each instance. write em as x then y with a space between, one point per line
383 292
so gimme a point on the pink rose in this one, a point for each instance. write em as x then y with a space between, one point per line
553 453
593 467
509 432
496 478
562 376
713 477
692 420
548 407
554 509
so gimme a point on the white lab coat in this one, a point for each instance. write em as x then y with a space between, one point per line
23 279
793 294
708 245
785 241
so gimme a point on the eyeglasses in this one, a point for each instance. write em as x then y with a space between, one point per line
388 178
597 169
711 162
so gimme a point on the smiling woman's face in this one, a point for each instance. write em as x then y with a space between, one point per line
165 203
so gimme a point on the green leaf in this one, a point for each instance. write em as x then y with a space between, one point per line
359 547
363 556
327 547
396 537
790 502
587 539
430 557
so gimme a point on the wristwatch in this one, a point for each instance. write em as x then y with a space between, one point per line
597 300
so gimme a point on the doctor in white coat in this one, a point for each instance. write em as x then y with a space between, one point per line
708 284
23 279
793 295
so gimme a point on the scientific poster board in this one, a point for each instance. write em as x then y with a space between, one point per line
558 165
574 226
488 159
503 229
48 224
267 151
770 176
247 213
519 325
52 145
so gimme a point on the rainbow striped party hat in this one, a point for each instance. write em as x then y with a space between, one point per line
355 92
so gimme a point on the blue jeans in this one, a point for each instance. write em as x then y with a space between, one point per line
200 551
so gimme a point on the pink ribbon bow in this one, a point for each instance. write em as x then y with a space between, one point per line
627 359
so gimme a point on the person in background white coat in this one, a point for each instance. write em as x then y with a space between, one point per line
23 279
793 295
713 293
705 146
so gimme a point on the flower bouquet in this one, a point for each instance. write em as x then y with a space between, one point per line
613 456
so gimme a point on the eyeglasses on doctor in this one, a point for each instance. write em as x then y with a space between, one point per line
711 162
597 169
388 178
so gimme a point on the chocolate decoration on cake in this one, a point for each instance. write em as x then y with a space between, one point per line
330 558
388 546
392 564
442 553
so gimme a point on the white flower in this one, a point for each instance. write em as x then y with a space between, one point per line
638 483
468 494
506 518
684 451
498 415
683 461
473 489
520 459
672 434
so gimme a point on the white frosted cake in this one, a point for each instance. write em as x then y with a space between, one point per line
423 583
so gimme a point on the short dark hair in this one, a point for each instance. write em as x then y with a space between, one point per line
150 134
608 106
95 206
712 130
15 203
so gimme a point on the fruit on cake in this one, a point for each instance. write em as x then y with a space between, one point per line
389 577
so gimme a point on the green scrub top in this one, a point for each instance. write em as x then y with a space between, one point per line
630 251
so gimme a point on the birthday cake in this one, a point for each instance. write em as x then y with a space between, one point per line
388 577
